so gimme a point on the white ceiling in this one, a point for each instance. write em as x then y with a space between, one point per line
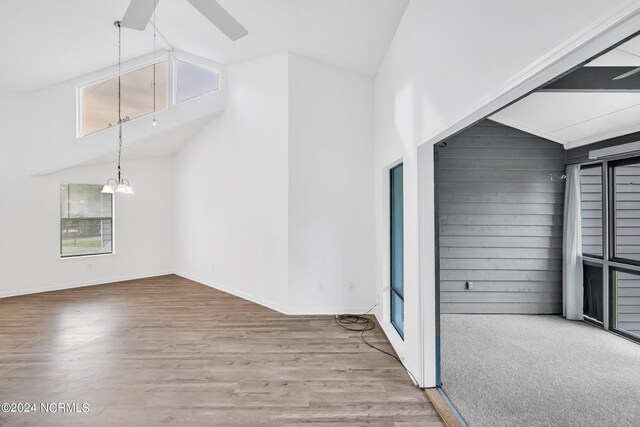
578 119
627 54
44 42
574 118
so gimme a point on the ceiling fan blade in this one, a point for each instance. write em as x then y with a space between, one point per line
138 14
220 18
627 74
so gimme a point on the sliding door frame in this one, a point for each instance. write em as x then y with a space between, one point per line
505 99
608 261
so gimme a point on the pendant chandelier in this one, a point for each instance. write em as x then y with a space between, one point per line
119 185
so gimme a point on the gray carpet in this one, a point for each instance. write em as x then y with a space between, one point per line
518 370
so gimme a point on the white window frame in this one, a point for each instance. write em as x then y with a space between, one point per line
113 228
144 61
193 60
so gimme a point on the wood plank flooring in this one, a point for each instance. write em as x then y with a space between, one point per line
167 350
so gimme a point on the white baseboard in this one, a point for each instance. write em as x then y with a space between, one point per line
291 311
81 284
260 301
326 311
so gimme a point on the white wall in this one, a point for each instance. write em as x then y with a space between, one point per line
330 188
231 189
275 195
451 63
30 215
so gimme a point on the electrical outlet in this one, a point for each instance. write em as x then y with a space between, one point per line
320 286
351 286
89 266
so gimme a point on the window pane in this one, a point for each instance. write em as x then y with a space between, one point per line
193 81
593 298
591 195
397 313
64 201
85 201
397 249
99 101
627 211
86 220
626 301
86 236
397 238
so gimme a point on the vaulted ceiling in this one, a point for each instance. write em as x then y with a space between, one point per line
44 42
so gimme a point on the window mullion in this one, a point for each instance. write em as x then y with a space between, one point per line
606 245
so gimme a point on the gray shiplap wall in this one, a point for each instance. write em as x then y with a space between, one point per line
500 221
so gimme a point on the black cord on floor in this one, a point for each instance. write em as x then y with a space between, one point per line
359 323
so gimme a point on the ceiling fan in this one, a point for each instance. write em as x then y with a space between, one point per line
139 12
627 74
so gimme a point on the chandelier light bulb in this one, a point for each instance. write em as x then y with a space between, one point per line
108 189
154 122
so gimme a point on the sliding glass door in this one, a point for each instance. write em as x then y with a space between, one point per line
625 292
397 248
610 195
625 212
625 246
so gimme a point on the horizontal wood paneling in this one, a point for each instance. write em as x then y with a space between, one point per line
497 230
500 219
501 187
504 286
513 152
489 163
502 297
540 198
518 253
499 275
507 307
501 242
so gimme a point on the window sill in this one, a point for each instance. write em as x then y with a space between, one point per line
83 257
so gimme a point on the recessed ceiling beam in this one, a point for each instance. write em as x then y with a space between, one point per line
596 79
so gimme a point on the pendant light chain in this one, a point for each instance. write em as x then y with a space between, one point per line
119 185
154 62
119 101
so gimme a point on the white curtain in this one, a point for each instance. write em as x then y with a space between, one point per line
572 287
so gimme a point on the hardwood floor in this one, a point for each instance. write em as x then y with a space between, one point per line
167 350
